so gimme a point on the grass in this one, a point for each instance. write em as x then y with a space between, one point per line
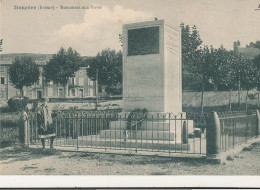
10 127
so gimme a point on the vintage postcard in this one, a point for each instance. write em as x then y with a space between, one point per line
107 89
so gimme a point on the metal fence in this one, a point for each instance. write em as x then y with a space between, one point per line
154 132
237 128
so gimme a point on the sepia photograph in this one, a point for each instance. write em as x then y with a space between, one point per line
101 88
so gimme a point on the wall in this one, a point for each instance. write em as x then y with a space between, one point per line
212 98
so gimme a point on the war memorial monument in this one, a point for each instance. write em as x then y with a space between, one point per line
152 67
152 80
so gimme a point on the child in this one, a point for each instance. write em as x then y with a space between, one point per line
45 125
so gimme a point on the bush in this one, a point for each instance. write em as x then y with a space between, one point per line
8 136
18 103
10 131
136 116
34 104
5 109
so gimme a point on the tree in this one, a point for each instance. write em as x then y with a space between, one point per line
222 72
191 46
202 67
254 45
245 75
62 66
256 62
23 72
192 52
108 64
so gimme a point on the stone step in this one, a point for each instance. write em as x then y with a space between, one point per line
145 135
145 125
128 144
155 125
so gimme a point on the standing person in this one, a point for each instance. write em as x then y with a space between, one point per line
45 125
23 130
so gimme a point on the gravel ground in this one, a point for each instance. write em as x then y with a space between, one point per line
14 160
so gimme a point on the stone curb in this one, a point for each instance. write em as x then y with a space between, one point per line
181 156
222 157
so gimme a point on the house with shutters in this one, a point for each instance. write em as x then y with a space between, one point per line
80 86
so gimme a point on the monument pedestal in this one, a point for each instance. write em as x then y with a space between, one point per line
152 80
152 67
149 130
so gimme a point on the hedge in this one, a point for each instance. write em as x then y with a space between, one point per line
17 103
10 131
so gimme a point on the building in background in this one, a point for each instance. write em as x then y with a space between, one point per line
246 52
80 86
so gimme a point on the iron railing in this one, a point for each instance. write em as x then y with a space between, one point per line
156 132
237 127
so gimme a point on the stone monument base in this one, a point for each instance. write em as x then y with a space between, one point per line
167 130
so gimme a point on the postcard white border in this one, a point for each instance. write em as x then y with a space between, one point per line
130 181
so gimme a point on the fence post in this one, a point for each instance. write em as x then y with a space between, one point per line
184 132
25 126
258 123
213 135
78 128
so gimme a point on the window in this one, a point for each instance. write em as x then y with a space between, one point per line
50 91
81 81
30 93
81 73
2 69
81 94
39 82
60 92
90 82
73 81
73 92
91 92
2 80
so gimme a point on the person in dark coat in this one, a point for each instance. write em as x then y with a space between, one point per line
45 126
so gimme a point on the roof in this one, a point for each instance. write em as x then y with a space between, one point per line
249 52
40 59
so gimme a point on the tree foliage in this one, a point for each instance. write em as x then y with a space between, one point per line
23 72
108 64
62 66
254 45
191 49
222 72
256 63
245 73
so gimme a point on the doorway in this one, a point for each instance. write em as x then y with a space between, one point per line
39 94
60 92
81 93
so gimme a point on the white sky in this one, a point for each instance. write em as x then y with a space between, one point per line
45 31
